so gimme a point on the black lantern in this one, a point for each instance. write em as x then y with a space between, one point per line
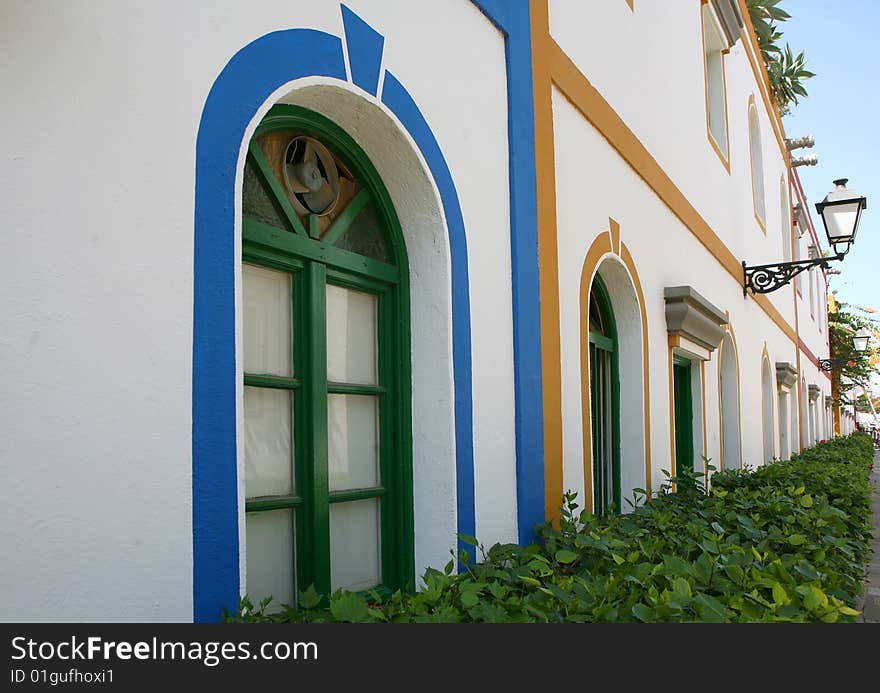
841 211
860 343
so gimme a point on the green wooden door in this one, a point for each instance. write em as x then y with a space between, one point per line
684 415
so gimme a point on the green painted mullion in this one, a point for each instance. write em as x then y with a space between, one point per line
271 381
258 233
280 197
259 504
266 256
394 374
387 462
346 218
356 494
353 389
316 389
314 226
301 439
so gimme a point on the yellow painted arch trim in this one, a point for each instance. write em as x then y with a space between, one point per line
602 246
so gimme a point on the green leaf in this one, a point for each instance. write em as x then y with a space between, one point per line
564 556
847 611
797 539
681 588
620 560
806 501
349 606
468 539
815 598
718 528
469 599
644 613
711 610
673 565
309 598
780 596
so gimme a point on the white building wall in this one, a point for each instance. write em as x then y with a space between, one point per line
593 184
628 56
96 321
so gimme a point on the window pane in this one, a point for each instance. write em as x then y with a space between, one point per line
351 336
352 441
270 551
268 329
256 202
267 442
354 545
365 236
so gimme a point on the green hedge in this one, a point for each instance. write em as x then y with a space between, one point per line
785 542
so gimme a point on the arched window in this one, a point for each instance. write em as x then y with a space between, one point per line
804 420
767 410
326 365
785 217
728 383
604 401
757 159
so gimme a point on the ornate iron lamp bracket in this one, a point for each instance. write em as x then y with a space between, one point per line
762 279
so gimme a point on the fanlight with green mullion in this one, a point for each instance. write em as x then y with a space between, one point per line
294 182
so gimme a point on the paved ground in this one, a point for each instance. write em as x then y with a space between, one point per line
870 604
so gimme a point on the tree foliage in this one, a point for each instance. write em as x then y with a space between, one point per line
786 70
844 319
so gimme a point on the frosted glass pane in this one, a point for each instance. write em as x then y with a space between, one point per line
268 332
351 336
365 236
267 442
270 551
353 441
354 545
256 202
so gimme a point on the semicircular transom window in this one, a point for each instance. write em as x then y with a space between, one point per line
296 182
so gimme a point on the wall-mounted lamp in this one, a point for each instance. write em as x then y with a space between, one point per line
841 211
860 344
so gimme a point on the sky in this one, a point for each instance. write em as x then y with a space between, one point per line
839 39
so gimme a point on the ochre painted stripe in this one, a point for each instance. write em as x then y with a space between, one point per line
586 99
548 264
614 230
646 379
599 248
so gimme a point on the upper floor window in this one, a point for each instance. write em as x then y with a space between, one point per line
785 219
714 48
757 159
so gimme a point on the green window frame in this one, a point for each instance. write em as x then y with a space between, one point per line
280 234
684 414
604 401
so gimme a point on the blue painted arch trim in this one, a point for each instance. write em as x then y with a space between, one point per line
242 87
